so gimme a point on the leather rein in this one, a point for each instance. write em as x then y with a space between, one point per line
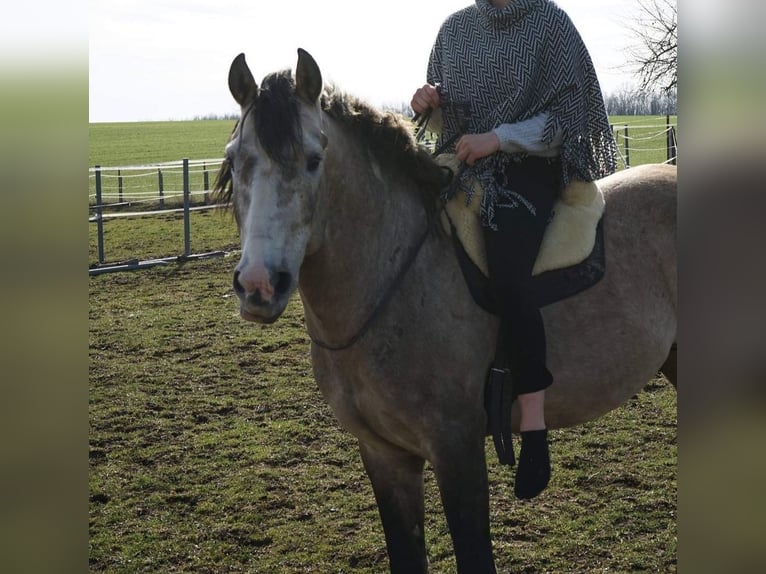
395 283
382 302
421 123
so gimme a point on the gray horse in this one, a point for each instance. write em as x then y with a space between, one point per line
336 200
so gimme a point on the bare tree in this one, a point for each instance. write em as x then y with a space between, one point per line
655 54
629 101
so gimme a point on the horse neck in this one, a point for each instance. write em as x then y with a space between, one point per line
370 223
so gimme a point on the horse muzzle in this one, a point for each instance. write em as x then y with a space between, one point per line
263 294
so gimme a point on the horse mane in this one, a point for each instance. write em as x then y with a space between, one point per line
388 135
223 185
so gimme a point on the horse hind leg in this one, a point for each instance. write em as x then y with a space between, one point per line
670 366
397 480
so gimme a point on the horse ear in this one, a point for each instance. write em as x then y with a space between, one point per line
308 78
241 82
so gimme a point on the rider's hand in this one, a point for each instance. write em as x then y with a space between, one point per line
472 147
424 99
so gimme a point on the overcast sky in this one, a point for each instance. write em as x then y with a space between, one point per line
169 59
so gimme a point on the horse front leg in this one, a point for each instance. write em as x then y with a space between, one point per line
461 473
397 480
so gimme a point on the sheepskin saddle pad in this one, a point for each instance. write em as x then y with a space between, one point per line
573 240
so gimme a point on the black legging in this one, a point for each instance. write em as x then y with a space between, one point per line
511 254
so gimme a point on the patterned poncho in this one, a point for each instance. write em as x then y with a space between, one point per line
501 66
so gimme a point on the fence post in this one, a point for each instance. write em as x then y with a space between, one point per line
99 217
627 147
206 183
671 141
667 138
119 185
673 145
187 234
161 185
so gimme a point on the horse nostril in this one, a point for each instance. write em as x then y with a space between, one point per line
237 285
284 280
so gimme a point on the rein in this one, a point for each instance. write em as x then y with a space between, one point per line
382 302
421 122
420 130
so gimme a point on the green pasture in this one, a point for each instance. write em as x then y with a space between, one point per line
112 145
642 139
139 143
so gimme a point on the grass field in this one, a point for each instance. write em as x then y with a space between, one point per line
644 140
139 143
145 143
211 449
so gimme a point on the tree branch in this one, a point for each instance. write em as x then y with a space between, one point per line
654 57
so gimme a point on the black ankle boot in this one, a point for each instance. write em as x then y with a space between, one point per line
534 470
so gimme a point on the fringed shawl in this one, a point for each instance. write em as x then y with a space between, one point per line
500 66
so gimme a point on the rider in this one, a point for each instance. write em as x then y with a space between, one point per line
514 77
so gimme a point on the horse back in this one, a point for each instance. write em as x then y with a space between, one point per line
642 208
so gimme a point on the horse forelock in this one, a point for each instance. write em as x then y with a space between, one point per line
276 118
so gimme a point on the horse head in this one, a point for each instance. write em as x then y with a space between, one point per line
275 162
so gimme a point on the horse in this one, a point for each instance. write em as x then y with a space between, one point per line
337 200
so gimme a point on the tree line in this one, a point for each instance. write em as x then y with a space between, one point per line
638 102
628 101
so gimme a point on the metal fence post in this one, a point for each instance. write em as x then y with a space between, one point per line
671 141
206 183
673 145
627 147
161 185
667 138
99 217
119 184
187 234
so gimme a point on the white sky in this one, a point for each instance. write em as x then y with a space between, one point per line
169 59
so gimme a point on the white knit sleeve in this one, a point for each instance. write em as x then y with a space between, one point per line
526 136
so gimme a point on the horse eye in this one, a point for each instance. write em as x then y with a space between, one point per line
313 163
